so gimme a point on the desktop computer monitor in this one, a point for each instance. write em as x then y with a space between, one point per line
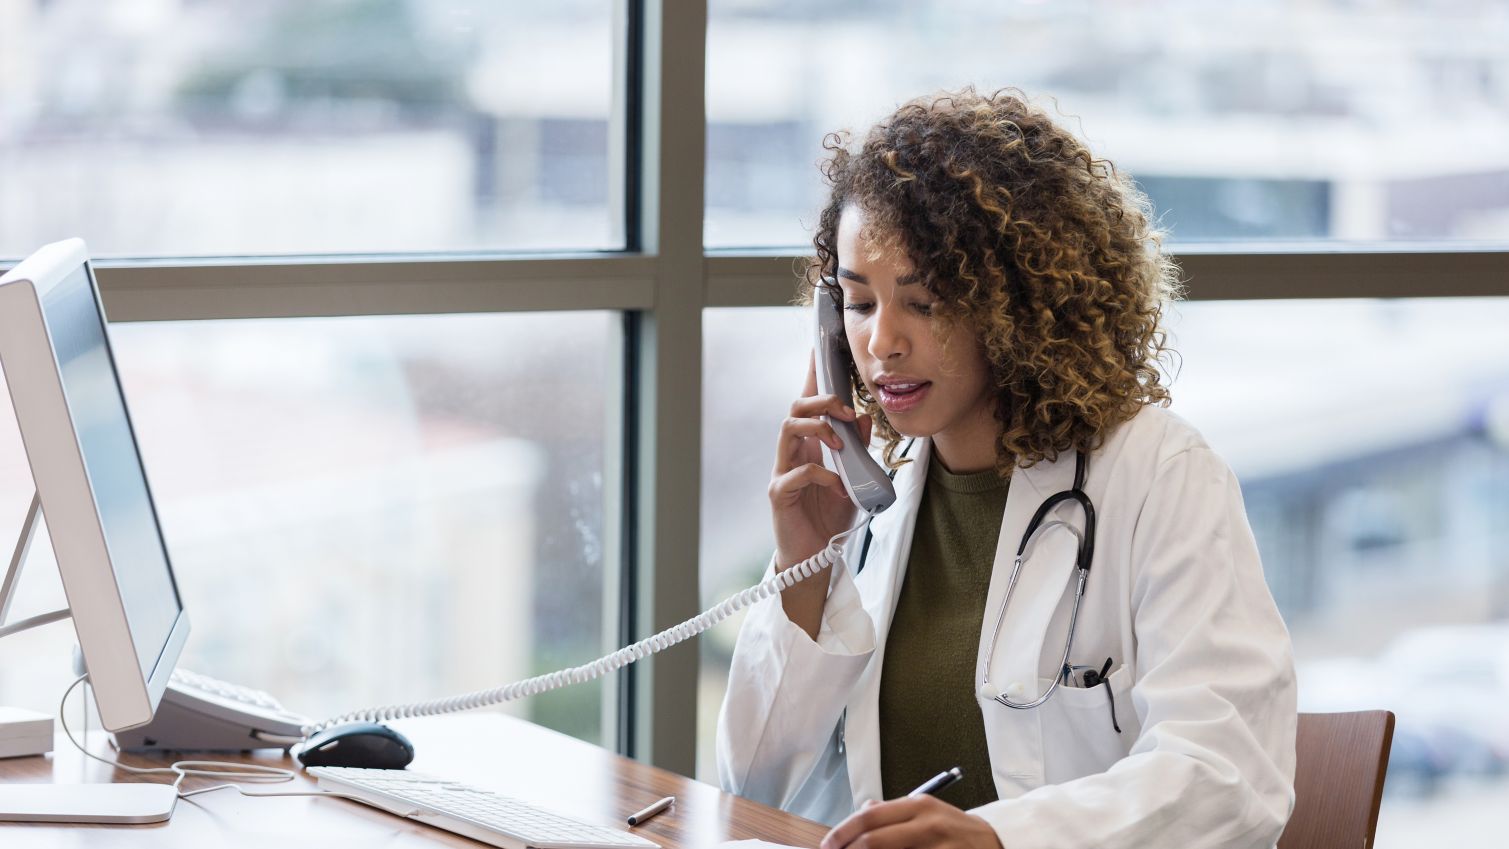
93 490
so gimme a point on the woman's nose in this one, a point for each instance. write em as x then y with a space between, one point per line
887 337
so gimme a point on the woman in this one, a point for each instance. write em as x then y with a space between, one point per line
1002 293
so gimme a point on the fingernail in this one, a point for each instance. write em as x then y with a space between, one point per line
849 411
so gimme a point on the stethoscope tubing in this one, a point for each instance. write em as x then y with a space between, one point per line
1084 557
1086 552
995 632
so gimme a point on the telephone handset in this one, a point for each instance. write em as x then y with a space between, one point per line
866 482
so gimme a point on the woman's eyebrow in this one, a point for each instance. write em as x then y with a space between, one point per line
911 278
853 275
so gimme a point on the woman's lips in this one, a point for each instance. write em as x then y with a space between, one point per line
901 399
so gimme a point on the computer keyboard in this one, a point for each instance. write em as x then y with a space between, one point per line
470 811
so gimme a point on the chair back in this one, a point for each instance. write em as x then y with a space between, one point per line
1341 760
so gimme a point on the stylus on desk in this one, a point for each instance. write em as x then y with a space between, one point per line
639 817
931 786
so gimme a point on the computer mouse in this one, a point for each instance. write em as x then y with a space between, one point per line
363 744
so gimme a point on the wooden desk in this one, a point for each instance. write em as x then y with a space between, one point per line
500 753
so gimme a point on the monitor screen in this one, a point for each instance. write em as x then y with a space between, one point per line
113 464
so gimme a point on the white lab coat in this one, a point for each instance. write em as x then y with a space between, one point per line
1203 677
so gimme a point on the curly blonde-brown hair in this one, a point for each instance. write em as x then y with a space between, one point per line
1051 256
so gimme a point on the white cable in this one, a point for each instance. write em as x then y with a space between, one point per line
777 583
184 769
244 792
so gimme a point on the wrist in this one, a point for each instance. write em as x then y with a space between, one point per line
785 560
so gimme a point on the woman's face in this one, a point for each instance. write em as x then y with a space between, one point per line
925 387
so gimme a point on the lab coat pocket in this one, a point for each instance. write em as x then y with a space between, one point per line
1079 737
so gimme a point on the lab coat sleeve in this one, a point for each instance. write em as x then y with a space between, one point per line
1214 763
786 692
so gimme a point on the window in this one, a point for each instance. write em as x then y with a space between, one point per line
337 126
390 509
1270 121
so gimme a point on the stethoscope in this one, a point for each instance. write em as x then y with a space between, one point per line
1035 529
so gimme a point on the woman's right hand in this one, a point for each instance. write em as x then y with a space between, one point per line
808 504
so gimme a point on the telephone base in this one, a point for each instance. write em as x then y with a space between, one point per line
182 729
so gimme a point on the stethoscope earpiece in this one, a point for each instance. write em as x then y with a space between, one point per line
988 691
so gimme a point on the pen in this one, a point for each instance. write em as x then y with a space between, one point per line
641 816
931 786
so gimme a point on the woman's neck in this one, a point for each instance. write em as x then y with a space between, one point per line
968 446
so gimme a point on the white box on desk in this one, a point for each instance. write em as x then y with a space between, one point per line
24 732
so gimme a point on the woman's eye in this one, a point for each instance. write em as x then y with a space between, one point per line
925 309
859 308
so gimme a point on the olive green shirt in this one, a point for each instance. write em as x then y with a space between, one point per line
929 719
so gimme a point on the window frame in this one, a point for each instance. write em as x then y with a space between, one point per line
661 283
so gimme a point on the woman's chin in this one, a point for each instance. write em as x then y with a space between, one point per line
909 426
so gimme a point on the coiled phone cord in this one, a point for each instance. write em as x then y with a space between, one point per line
779 582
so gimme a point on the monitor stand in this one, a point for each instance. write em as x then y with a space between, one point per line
12 574
84 803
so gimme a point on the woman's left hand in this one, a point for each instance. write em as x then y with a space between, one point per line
913 822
